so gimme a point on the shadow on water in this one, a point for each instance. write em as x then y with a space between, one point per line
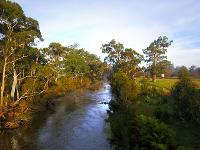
78 123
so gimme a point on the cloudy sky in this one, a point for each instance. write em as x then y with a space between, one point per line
135 23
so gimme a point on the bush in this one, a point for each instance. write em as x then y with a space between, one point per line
123 87
187 98
122 115
183 148
163 114
132 132
124 128
154 135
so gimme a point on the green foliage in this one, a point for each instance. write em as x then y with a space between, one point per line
76 65
130 131
122 59
164 113
187 98
31 76
138 132
162 66
154 135
183 148
124 87
155 55
184 74
122 115
123 126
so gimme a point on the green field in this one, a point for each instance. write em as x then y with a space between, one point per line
167 83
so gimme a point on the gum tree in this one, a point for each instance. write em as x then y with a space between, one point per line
155 54
17 34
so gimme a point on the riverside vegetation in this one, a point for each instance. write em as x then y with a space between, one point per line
31 77
147 115
161 114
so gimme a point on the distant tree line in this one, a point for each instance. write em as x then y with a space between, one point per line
171 71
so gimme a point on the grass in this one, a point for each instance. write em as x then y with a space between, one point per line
167 83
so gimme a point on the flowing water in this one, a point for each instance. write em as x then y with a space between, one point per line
78 123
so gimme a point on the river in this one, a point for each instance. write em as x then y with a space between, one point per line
78 123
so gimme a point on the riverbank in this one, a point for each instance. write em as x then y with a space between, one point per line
77 121
21 115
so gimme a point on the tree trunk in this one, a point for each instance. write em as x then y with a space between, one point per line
12 94
153 72
3 81
81 81
153 77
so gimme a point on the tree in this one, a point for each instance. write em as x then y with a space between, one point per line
186 97
124 59
55 54
80 63
192 68
162 66
18 34
194 71
155 53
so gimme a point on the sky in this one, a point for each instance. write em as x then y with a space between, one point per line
135 23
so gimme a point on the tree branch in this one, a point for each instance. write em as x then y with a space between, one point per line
17 59
32 94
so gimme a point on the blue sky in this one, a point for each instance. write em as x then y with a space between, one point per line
135 23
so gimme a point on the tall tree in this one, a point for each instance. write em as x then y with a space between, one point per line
18 33
124 59
55 55
155 53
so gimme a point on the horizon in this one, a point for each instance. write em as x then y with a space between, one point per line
132 23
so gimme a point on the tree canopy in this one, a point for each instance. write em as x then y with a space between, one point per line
121 58
155 54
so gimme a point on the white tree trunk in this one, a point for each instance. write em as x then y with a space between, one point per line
12 94
3 81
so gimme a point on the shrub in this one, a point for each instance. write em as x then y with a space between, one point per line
164 113
124 127
154 135
130 131
122 115
183 148
124 87
187 98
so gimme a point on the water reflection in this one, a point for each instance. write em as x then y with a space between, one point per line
77 124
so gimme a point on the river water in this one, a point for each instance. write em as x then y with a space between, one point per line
78 123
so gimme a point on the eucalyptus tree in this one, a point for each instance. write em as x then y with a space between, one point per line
54 55
75 63
124 59
17 34
155 53
80 63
